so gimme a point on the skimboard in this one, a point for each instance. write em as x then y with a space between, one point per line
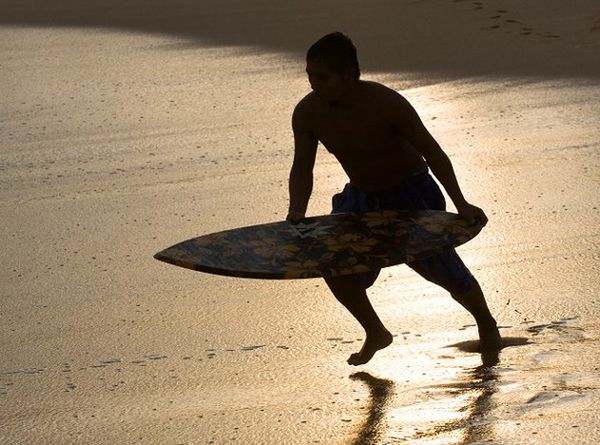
323 246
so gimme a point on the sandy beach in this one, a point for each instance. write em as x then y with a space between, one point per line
126 127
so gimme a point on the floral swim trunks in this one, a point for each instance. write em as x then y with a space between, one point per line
419 192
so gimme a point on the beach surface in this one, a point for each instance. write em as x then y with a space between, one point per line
126 127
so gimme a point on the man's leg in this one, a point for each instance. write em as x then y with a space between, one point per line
474 302
351 293
448 271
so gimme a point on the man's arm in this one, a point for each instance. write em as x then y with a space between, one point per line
412 128
301 174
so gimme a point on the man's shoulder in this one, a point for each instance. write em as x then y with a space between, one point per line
386 99
305 108
381 91
307 103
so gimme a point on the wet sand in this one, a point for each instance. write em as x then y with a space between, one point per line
125 132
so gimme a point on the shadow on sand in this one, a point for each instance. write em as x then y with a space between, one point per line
438 40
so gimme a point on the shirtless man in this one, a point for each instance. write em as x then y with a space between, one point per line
387 153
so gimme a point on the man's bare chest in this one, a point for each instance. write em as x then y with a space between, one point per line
352 132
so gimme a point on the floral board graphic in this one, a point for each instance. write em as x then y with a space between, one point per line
323 246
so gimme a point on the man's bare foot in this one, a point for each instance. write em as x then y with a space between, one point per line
489 339
373 343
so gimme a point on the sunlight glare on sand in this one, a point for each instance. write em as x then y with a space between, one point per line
432 397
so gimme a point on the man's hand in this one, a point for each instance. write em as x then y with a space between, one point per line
472 213
295 217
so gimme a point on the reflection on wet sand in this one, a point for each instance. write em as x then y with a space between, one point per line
470 421
481 383
380 391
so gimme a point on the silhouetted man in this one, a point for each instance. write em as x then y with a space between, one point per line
387 153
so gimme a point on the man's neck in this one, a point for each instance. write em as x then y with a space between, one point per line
348 98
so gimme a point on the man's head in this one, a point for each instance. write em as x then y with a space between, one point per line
337 52
332 66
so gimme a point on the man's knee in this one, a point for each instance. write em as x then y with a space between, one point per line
358 281
465 289
342 282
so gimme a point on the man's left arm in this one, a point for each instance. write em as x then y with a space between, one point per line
418 136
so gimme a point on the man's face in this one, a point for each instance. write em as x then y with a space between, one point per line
329 85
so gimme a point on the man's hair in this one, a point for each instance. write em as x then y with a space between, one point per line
337 51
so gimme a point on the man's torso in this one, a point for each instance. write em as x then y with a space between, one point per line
370 148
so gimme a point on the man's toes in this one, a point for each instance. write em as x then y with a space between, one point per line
356 359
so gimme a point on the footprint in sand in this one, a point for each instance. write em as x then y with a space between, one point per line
558 373
563 325
501 19
70 371
554 397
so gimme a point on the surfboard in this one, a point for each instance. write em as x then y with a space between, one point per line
323 246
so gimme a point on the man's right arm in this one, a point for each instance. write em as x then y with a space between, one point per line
301 174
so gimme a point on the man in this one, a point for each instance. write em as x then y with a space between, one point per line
386 152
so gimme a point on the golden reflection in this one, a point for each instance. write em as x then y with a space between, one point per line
380 391
455 412
481 384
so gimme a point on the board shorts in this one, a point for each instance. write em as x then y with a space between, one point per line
418 192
